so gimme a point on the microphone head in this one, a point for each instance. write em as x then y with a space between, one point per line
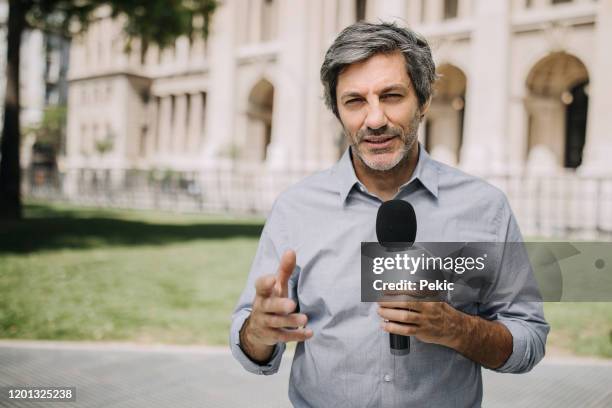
396 224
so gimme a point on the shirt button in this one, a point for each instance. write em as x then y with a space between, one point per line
387 378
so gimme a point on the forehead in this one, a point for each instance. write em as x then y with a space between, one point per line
377 71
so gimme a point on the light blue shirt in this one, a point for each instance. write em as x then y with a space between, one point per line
347 362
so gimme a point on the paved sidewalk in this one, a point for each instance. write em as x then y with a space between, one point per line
120 375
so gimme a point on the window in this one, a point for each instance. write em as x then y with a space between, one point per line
360 10
450 9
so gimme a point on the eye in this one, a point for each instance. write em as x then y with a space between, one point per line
391 96
353 101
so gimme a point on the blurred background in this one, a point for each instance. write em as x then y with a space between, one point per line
151 148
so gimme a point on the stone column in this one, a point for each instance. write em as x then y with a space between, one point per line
415 13
392 11
152 131
485 140
598 148
195 123
254 22
465 9
327 122
288 118
221 106
433 11
179 126
314 131
517 133
346 13
165 127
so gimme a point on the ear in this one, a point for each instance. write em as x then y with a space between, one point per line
425 108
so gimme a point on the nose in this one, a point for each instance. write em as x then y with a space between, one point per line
376 117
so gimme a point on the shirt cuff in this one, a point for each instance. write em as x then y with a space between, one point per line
517 362
264 369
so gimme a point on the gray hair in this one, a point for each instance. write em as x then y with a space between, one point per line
362 40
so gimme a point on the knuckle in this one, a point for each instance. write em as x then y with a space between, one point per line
274 321
296 320
265 304
274 305
286 305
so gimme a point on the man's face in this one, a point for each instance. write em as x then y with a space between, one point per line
379 110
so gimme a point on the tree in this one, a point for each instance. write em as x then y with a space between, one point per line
151 21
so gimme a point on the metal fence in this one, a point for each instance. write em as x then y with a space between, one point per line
568 205
243 191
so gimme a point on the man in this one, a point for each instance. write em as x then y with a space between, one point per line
378 82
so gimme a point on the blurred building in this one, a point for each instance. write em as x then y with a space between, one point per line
226 123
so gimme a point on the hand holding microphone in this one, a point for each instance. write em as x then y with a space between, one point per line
272 319
431 322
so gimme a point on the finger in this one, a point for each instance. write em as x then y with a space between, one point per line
294 335
414 306
285 269
278 305
397 328
406 295
289 321
400 315
264 286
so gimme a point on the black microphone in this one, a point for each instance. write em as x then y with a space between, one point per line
396 228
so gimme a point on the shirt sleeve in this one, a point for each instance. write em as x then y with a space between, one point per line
515 301
272 244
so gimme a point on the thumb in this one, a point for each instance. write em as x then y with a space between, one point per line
285 269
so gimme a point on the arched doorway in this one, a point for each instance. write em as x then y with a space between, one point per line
557 106
444 126
259 133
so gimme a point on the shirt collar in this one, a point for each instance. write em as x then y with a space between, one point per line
426 172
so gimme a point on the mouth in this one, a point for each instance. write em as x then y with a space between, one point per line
379 142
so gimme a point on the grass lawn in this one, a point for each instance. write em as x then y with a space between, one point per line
70 273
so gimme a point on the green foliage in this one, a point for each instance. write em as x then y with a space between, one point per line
59 16
152 21
50 132
162 21
105 145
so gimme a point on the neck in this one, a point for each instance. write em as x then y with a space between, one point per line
385 184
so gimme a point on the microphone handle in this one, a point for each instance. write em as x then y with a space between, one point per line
400 345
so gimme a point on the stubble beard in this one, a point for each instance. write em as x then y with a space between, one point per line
408 138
